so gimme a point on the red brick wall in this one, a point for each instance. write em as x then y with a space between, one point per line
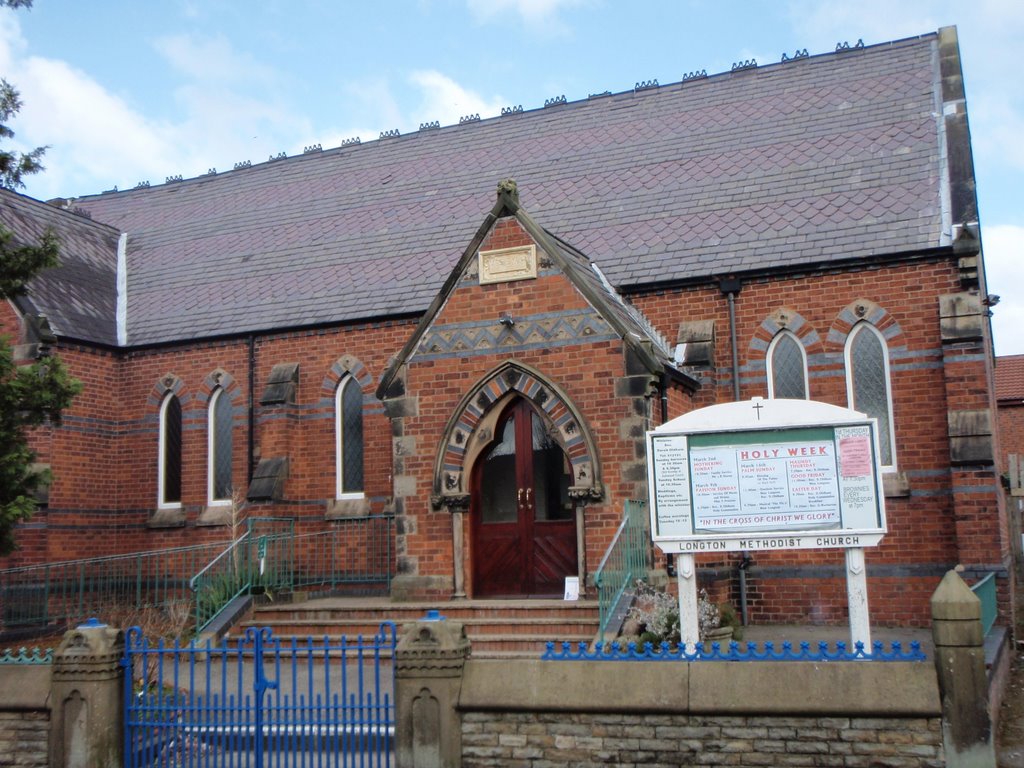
10 323
584 371
926 535
105 456
1011 430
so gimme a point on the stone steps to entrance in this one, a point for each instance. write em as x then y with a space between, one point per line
496 628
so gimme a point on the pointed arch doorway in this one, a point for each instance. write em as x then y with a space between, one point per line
523 519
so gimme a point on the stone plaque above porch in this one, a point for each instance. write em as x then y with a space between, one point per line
507 264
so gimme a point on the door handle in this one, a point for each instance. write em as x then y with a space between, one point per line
520 497
529 501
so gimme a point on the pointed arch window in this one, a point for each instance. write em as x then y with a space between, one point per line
348 438
868 385
169 462
787 367
219 435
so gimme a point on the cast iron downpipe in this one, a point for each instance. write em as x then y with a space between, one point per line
664 397
252 410
730 286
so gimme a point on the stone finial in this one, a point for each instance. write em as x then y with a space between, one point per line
967 732
508 187
87 695
429 661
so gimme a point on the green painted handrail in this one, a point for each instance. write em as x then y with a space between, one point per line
356 554
52 595
625 561
986 593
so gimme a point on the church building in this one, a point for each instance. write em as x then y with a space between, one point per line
469 329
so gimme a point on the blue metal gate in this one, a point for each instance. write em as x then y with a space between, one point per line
260 703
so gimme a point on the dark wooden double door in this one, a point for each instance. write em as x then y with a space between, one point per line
523 521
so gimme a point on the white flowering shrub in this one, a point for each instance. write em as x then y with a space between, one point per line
654 615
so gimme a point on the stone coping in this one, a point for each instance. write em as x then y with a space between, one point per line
902 689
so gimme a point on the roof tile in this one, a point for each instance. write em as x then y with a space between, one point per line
823 158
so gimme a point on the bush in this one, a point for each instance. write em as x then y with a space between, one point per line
655 615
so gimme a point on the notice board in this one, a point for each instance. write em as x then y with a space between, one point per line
765 475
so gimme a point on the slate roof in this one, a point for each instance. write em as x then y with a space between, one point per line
1010 377
822 158
80 297
650 347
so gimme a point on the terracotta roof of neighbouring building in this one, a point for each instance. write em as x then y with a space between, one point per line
817 159
1010 377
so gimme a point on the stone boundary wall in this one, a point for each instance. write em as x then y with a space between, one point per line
849 714
550 739
24 715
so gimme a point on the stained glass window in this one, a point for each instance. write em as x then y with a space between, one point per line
867 370
349 437
787 367
170 452
220 426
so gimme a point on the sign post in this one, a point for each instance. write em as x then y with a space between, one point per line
767 475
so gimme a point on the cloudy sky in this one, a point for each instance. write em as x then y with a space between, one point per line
124 91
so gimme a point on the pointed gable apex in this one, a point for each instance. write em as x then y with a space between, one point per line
627 321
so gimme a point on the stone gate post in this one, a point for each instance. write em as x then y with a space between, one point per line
963 684
429 661
87 698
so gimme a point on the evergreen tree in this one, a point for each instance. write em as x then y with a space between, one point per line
35 394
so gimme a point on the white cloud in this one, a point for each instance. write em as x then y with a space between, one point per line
443 99
1004 268
535 13
229 110
91 133
212 59
873 21
435 96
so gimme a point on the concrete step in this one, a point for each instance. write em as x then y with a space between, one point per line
332 609
496 628
475 627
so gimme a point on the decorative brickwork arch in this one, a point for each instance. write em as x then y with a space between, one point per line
471 429
784 321
346 365
864 311
169 383
220 379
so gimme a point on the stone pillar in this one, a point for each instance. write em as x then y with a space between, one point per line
963 684
87 698
429 661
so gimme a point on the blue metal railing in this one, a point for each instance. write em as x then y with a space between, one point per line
259 702
986 593
625 561
734 651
